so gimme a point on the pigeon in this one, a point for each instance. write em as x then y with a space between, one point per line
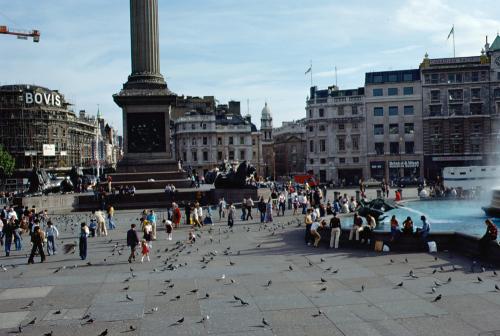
497 288
207 295
433 290
194 290
32 322
57 312
129 298
104 333
328 269
126 288
392 261
86 317
322 259
259 245
243 302
50 333
236 298
132 328
400 284
20 328
28 305
310 263
479 279
406 260
264 322
495 273
336 271
362 288
437 298
437 284
435 258
290 267
323 289
323 280
232 263
318 314
449 280
434 271
154 309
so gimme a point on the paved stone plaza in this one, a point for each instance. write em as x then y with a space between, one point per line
358 295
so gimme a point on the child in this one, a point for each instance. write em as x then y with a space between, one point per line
92 227
168 227
51 233
144 250
191 236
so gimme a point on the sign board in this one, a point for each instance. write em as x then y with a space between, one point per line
49 150
42 98
30 153
455 60
404 164
377 165
64 153
457 158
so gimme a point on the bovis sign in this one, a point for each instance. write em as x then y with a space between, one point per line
42 98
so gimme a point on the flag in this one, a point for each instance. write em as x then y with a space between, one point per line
452 31
308 70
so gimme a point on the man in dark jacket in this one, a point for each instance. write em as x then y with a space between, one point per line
37 239
132 241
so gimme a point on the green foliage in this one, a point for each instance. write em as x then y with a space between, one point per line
7 162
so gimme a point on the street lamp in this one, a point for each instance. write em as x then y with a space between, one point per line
401 169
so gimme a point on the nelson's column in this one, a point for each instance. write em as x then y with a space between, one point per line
145 98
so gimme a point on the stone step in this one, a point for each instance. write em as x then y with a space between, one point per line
157 184
144 176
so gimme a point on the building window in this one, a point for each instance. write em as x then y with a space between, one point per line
355 126
242 155
310 113
311 146
457 128
456 94
322 145
378 129
204 126
321 127
378 79
408 90
455 109
219 156
321 113
193 141
254 155
475 93
184 156
193 126
379 148
253 142
340 110
341 126
407 77
205 156
409 128
476 128
355 143
394 147
434 78
322 161
393 78
392 91
476 108
474 76
409 110
456 147
393 110
476 148
205 140
435 110
435 95
378 111
194 155
354 110
311 161
496 92
219 141
231 155
341 142
409 147
230 140
378 92
393 129
342 160
355 159
242 140
311 128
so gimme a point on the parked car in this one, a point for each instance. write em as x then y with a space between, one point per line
406 181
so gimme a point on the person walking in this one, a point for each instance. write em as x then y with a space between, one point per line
269 211
8 233
168 228
176 215
144 250
261 205
281 204
249 206
17 235
37 240
151 217
51 233
148 233
132 242
84 233
230 215
111 213
336 230
222 208
308 222
101 223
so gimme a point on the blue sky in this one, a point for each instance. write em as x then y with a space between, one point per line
256 50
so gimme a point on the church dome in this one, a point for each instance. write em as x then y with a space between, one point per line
266 112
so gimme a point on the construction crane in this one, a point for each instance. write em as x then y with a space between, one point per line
21 34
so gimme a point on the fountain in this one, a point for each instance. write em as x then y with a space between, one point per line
493 210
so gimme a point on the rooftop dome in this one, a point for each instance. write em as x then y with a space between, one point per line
266 112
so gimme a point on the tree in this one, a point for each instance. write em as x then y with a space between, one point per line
7 163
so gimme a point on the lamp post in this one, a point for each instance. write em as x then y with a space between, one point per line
401 169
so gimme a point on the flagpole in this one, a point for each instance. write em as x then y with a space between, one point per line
453 41
311 73
336 77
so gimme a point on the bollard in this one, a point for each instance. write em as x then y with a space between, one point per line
358 197
379 193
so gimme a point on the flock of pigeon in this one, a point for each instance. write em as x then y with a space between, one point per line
208 249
